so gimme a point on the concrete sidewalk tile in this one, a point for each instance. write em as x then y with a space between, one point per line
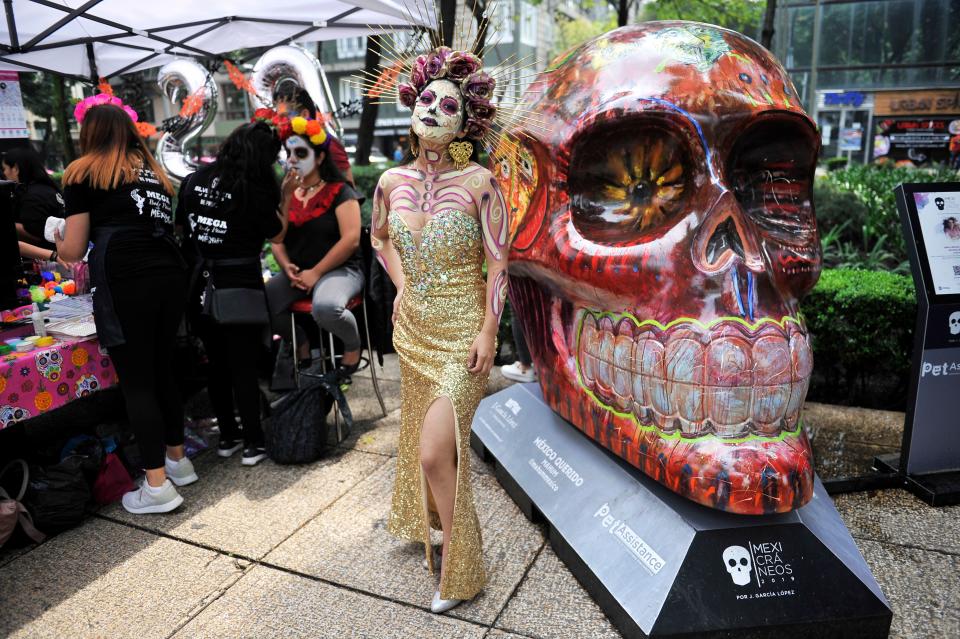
349 544
390 370
379 435
9 554
552 603
269 604
921 586
107 580
249 510
897 517
363 401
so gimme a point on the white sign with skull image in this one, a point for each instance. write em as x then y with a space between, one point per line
763 565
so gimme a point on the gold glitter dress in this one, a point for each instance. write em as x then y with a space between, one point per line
441 313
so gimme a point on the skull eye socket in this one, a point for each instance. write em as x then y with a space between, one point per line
732 562
622 185
771 170
743 561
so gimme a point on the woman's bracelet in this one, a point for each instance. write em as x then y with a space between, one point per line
53 256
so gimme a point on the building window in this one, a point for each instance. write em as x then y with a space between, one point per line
350 48
349 91
501 25
234 103
528 23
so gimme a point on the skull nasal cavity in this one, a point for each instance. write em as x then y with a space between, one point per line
725 237
641 192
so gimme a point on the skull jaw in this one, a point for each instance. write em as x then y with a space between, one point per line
751 476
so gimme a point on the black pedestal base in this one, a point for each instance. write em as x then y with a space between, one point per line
660 565
937 489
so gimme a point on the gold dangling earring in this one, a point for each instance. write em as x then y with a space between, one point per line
414 147
460 152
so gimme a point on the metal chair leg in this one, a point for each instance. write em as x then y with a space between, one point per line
373 364
336 407
293 341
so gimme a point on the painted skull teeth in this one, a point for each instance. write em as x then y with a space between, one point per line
724 380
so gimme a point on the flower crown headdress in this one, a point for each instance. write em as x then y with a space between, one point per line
312 130
145 129
405 73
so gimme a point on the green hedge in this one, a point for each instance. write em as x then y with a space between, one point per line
861 323
366 178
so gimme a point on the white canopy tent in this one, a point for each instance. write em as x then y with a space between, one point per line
104 38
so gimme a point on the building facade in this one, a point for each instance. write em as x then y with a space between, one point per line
881 77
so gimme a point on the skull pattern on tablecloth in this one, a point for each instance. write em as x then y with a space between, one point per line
663 235
49 363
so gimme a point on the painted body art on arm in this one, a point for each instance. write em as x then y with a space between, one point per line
494 222
379 230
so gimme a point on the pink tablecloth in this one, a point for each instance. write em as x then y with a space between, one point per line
47 378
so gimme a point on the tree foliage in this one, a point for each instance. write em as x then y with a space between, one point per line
744 16
571 33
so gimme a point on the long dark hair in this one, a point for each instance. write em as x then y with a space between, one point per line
247 157
30 165
113 152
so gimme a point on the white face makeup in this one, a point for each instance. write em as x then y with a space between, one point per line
301 156
438 114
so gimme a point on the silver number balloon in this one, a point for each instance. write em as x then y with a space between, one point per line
286 65
178 80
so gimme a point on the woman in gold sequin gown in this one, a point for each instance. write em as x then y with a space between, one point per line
434 226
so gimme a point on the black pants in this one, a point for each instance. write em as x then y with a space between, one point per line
232 351
519 341
149 311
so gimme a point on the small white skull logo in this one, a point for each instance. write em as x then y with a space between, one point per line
737 561
955 323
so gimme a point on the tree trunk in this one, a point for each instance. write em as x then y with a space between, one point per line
63 122
448 16
766 36
623 13
368 117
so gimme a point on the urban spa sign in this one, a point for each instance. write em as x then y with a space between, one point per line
934 102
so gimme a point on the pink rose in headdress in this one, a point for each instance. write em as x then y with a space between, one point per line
407 94
479 86
460 64
476 129
481 109
435 66
418 74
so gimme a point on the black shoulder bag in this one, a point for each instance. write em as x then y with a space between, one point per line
233 305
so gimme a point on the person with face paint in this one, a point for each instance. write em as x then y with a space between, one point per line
435 222
227 209
319 257
299 103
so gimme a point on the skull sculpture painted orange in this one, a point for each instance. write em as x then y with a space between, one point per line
663 234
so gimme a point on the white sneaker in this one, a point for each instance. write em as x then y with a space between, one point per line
514 372
439 605
149 500
180 472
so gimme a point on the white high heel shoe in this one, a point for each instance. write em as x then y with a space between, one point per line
439 605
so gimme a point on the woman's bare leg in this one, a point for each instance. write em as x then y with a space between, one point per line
438 457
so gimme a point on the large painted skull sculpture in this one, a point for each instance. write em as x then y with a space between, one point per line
663 234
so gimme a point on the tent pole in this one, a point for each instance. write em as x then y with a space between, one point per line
11 25
92 61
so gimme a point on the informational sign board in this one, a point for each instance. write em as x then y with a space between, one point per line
13 117
851 139
930 453
661 565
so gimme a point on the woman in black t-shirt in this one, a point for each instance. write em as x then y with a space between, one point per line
319 257
118 197
35 199
228 209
